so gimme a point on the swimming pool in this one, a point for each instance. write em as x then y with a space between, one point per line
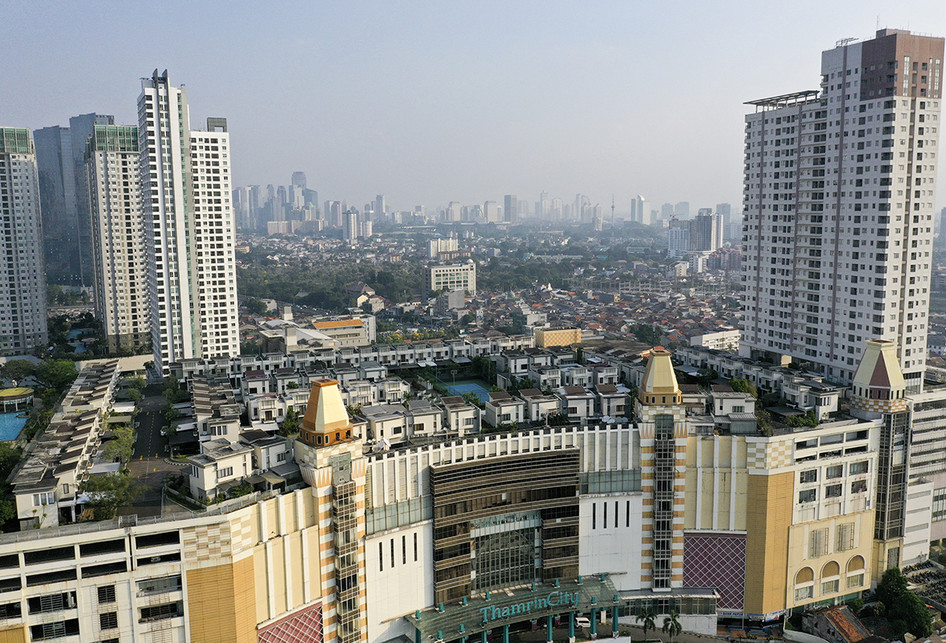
469 386
10 426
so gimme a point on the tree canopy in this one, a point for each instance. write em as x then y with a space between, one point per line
904 605
109 492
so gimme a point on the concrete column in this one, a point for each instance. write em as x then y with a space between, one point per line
505 634
594 622
615 618
483 636
571 627
417 638
548 629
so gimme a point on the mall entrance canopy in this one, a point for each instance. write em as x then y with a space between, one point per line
470 617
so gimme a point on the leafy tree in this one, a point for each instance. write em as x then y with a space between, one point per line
291 425
903 605
672 625
242 489
122 446
473 398
107 493
744 386
173 392
764 420
648 621
18 369
647 334
9 457
57 374
292 385
256 306
135 395
808 419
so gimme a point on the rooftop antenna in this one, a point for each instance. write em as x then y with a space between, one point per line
612 209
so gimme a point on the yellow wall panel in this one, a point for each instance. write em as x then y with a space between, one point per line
15 634
221 602
768 518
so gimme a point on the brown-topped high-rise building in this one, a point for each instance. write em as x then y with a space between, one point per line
839 190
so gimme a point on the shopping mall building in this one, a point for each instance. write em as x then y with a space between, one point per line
708 517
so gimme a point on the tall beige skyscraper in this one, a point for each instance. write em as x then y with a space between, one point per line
839 195
23 285
189 219
119 256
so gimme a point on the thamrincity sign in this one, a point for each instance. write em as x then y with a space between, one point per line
555 598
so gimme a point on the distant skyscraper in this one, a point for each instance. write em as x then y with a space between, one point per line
119 257
682 210
185 178
706 231
380 207
298 180
725 211
510 208
544 205
640 210
678 238
839 194
60 158
23 289
666 211
350 225
491 212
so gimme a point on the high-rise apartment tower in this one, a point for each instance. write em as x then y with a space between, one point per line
119 259
185 178
838 196
23 285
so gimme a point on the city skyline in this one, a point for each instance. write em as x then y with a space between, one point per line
367 101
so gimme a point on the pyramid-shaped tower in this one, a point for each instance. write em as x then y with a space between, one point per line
879 385
659 385
325 421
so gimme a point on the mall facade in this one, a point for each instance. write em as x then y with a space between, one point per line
705 515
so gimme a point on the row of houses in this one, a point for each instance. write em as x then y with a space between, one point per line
46 482
430 353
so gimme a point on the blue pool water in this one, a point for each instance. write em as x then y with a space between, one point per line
469 386
10 426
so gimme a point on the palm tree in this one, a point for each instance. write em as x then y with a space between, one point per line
672 625
648 621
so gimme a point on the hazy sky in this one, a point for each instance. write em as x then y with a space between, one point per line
429 102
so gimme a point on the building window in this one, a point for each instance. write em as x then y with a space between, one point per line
818 542
809 476
845 534
161 612
225 472
832 491
939 505
108 621
106 594
858 486
856 468
808 495
803 593
829 587
834 471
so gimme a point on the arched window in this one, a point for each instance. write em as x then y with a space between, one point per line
830 578
804 584
855 573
